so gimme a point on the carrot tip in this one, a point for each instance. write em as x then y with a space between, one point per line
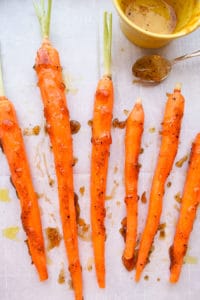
173 279
127 255
44 277
137 277
138 101
178 86
101 283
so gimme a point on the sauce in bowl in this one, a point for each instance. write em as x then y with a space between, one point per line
152 15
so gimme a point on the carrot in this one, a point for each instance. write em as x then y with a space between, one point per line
13 146
134 130
170 138
189 205
52 90
101 140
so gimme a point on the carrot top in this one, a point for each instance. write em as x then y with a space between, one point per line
107 24
44 16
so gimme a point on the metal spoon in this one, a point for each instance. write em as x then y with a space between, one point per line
155 68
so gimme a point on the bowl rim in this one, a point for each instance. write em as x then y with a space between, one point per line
152 34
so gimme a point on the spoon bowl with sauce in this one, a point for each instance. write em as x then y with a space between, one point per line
155 68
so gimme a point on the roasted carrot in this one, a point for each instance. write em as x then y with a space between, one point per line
189 205
13 146
169 144
101 140
52 90
134 130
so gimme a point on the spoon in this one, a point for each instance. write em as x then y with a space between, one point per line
155 68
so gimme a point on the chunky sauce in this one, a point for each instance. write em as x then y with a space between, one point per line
75 126
118 124
32 131
152 15
61 276
53 236
181 161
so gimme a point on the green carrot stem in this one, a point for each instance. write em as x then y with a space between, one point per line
2 93
44 16
107 24
49 16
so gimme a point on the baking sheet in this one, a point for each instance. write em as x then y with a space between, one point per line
76 31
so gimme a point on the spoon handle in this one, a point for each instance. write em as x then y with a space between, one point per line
186 56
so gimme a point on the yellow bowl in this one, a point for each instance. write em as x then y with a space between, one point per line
188 19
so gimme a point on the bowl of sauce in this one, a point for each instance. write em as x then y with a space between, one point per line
154 23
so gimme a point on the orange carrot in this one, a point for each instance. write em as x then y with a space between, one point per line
170 138
52 90
101 140
13 146
134 130
189 205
